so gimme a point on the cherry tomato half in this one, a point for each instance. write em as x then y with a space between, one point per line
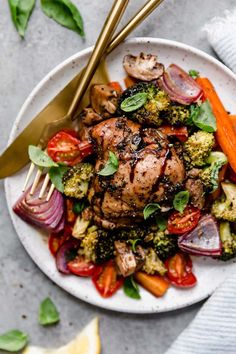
179 270
55 240
106 279
79 266
180 223
66 148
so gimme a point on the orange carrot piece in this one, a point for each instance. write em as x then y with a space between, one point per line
225 133
233 121
129 81
155 284
115 86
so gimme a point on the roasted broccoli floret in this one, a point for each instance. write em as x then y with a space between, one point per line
76 180
210 174
97 245
153 264
130 234
228 240
150 113
163 243
225 207
197 148
177 114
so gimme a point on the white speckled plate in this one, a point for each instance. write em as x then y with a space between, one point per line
210 273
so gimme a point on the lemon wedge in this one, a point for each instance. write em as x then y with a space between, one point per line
86 342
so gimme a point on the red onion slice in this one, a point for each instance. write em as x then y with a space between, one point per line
203 240
64 253
181 87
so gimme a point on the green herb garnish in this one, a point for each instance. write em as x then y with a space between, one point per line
40 158
56 175
131 288
193 73
204 118
150 209
13 341
20 13
134 102
134 244
78 207
181 200
161 222
48 313
65 13
111 165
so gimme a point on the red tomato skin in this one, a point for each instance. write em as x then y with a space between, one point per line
56 240
179 271
179 223
80 267
106 288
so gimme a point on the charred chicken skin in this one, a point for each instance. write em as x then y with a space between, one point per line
149 171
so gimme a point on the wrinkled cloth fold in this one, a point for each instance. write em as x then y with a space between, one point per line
213 330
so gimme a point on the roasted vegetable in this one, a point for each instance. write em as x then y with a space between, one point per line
177 114
76 180
156 103
198 148
210 175
225 207
228 240
164 244
153 264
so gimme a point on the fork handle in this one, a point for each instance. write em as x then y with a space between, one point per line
103 40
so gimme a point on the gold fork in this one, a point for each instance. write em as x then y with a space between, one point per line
85 78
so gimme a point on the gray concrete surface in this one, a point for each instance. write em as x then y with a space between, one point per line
22 65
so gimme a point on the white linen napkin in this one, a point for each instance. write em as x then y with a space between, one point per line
213 330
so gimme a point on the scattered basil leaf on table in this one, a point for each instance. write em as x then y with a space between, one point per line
134 102
48 313
56 175
181 200
150 209
20 14
131 288
111 165
204 118
193 73
13 341
40 158
161 222
78 207
65 13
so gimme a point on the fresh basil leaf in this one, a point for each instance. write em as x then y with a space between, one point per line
193 73
78 207
111 165
48 313
161 222
65 13
204 118
134 244
13 341
181 200
21 11
40 158
131 288
150 209
56 174
134 102
194 111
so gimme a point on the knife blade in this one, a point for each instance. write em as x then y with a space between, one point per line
16 155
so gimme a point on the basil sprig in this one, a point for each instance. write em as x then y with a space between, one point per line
56 175
13 341
193 73
203 117
40 158
65 13
150 209
161 222
111 165
181 200
78 207
134 102
48 313
131 288
20 13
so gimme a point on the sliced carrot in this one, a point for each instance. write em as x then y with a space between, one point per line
70 215
179 132
155 284
129 81
116 86
233 121
225 134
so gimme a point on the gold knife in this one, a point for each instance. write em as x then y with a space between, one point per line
16 155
